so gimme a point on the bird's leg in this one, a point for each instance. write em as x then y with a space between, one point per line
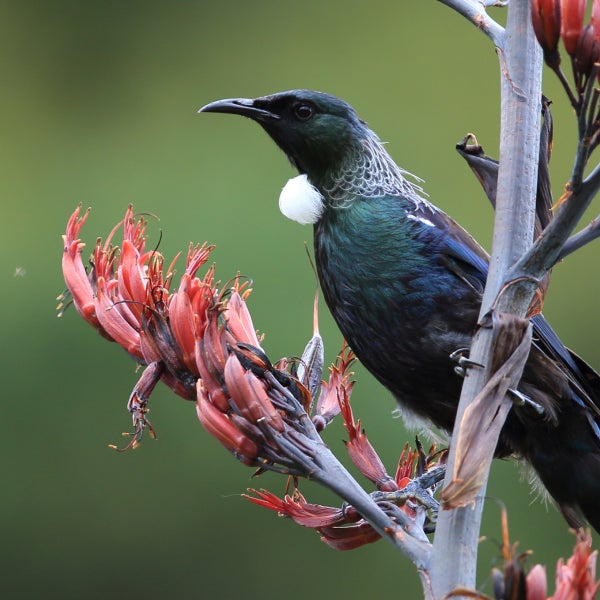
463 363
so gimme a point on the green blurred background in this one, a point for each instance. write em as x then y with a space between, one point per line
98 106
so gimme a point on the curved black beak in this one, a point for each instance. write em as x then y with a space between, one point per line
240 106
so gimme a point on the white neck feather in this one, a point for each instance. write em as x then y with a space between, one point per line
300 201
370 172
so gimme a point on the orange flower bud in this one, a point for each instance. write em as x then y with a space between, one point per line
239 320
212 385
587 52
572 13
545 18
222 429
536 583
595 20
181 320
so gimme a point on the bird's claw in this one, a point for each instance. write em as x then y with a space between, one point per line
418 492
463 363
410 492
520 399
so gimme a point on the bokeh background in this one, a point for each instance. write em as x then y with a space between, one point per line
98 106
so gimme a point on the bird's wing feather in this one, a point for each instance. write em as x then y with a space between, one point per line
467 259
458 250
584 381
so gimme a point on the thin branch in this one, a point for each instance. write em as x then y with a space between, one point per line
474 11
333 475
580 239
548 248
566 86
584 125
311 457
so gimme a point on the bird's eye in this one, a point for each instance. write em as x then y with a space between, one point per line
303 111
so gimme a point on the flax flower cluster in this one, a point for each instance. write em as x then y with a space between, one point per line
556 20
575 579
200 341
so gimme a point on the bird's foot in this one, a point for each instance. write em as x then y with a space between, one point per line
520 399
411 492
418 492
463 363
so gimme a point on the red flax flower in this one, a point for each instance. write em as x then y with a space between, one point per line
344 529
545 17
575 580
572 13
126 296
201 342
581 41
564 19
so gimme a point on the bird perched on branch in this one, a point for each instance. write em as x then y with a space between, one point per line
404 283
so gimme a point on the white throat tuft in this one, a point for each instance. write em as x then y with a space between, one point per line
301 201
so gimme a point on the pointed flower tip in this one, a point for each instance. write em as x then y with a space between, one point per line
239 319
536 583
310 368
76 278
297 508
316 314
197 255
75 223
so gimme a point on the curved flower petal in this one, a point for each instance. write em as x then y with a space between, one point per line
114 323
76 277
304 513
221 428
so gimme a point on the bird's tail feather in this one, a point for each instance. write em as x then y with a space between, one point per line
571 474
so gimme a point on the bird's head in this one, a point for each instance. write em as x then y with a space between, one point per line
315 130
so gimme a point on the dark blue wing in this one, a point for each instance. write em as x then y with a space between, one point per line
463 255
583 380
453 244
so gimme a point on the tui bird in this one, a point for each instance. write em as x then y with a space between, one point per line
404 283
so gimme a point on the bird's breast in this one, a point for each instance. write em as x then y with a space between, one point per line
400 310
